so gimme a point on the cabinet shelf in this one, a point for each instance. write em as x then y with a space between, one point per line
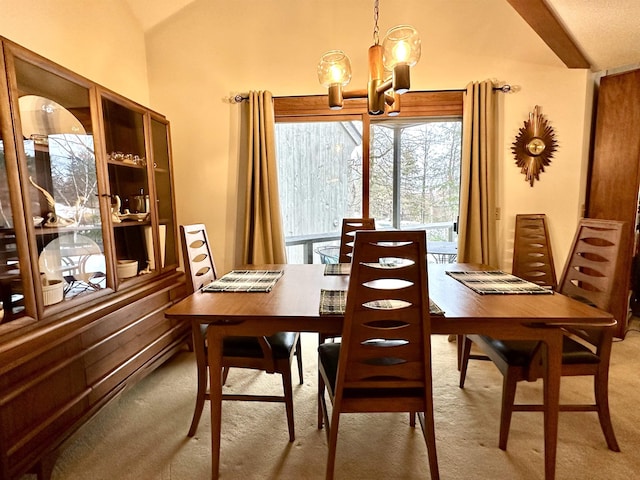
71 229
126 224
126 165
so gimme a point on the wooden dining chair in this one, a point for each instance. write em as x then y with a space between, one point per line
590 275
532 261
383 363
349 227
532 256
272 354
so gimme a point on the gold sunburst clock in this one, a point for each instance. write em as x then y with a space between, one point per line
534 146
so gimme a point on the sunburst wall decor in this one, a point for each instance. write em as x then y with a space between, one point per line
534 146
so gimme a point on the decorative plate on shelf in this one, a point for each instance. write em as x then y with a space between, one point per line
42 117
71 257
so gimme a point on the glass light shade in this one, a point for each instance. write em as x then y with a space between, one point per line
334 69
401 47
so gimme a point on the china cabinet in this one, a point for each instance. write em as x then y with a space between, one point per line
88 253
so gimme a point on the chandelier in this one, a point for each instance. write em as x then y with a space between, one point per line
389 66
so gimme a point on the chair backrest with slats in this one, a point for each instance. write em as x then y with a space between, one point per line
386 334
349 227
198 261
593 265
532 257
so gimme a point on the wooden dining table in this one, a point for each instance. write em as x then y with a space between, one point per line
293 305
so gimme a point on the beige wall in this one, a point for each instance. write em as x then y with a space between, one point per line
214 48
99 39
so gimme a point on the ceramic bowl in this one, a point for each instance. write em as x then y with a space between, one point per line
53 292
127 268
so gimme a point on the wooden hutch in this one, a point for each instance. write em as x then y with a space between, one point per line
88 254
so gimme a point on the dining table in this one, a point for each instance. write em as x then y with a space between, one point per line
293 305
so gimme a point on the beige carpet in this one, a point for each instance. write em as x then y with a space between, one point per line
142 434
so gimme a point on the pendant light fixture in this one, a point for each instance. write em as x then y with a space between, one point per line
389 70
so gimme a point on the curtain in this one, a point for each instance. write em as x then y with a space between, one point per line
478 177
263 232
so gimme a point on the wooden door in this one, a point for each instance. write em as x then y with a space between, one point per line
615 171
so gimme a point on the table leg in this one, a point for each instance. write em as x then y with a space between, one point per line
214 345
553 370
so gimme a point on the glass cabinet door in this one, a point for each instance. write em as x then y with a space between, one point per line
12 291
63 199
124 128
164 203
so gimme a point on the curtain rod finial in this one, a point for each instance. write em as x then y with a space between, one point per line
235 98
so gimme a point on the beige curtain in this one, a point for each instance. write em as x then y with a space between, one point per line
263 233
478 177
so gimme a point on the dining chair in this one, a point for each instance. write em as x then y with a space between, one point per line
532 261
272 354
349 228
383 363
532 255
590 275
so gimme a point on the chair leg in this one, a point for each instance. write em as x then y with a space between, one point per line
321 339
333 442
202 380
323 415
460 340
463 358
200 398
602 403
288 400
225 374
320 401
412 419
508 398
428 431
299 358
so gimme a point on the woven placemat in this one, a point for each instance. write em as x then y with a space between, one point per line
333 302
245 281
337 269
498 282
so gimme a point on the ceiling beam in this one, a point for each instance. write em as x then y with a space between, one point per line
538 15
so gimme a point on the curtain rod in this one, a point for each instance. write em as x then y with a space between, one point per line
506 88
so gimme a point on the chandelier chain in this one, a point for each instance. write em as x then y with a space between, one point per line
376 33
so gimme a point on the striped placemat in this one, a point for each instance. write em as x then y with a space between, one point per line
337 269
245 281
497 282
333 302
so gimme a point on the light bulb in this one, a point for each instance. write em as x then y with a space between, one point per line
334 68
401 47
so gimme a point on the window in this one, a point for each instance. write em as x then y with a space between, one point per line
415 175
404 171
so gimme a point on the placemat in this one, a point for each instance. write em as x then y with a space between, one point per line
333 302
245 281
337 269
497 282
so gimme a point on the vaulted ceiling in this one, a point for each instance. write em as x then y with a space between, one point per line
595 34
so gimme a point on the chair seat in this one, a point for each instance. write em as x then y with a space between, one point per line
281 344
519 352
328 356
